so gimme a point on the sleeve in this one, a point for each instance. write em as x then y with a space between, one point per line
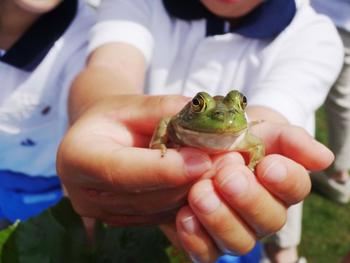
127 21
302 72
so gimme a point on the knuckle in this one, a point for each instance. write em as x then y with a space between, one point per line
196 190
279 221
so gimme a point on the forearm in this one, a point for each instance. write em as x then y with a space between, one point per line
111 70
94 84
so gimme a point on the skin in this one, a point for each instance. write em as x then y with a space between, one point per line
346 259
112 124
110 133
37 6
213 124
16 16
231 8
96 164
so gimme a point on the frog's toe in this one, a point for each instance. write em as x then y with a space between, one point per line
159 146
163 151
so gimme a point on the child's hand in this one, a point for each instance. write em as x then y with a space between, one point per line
110 173
229 212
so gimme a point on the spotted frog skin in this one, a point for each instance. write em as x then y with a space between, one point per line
213 124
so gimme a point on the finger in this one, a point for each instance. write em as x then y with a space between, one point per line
138 220
153 109
249 199
228 230
134 203
221 160
169 230
139 112
85 208
152 171
127 169
294 143
194 238
137 203
127 120
284 178
224 159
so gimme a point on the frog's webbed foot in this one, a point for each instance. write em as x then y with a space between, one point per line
255 147
161 146
256 153
160 137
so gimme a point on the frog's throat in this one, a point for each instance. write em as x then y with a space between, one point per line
210 142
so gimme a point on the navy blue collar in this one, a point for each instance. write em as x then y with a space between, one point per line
35 43
266 21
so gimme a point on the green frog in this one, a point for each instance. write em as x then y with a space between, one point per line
213 124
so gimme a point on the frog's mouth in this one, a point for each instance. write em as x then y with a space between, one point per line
211 142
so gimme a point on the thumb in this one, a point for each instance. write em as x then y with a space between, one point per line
295 143
148 110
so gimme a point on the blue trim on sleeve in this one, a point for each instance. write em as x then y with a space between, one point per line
25 183
23 196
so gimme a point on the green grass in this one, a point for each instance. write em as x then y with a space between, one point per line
326 225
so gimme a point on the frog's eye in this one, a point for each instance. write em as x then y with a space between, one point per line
198 104
243 102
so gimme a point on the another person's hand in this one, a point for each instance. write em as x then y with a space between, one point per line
109 172
234 208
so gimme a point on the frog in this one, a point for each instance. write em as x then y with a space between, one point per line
215 125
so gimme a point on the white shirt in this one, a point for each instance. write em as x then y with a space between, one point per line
291 73
337 10
33 110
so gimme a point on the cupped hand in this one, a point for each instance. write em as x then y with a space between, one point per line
109 172
228 212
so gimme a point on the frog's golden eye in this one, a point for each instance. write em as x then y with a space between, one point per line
243 102
198 104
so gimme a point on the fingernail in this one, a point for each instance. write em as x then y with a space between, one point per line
233 184
275 173
196 163
207 202
189 224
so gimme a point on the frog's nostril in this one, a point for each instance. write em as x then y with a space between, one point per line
219 115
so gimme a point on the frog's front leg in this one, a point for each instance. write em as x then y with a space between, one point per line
160 136
255 148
